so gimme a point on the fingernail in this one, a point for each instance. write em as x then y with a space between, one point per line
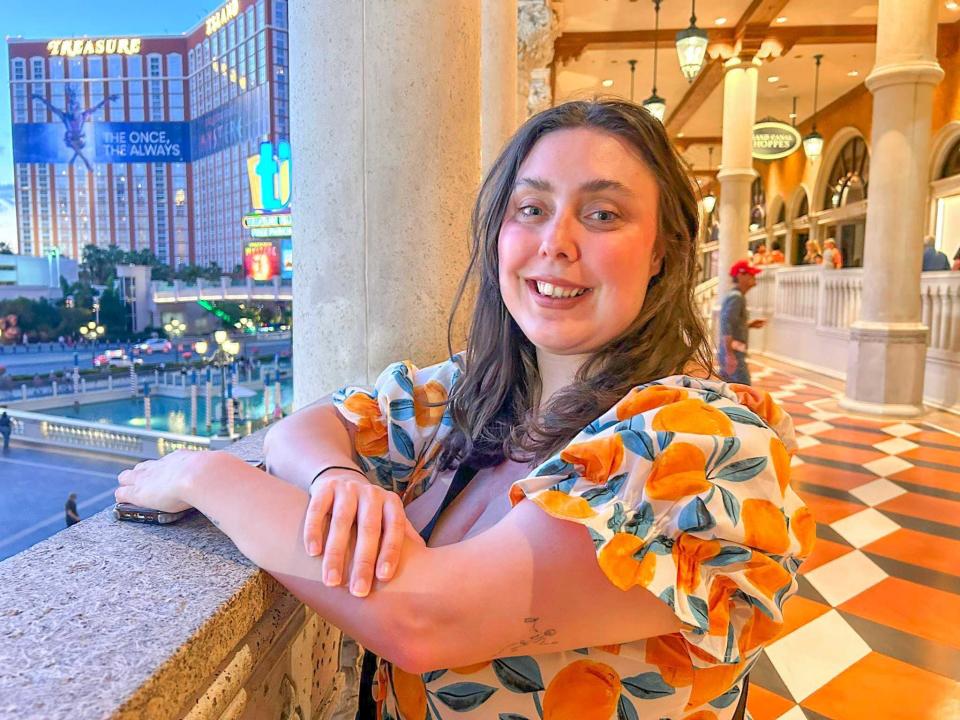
384 570
359 588
314 548
332 578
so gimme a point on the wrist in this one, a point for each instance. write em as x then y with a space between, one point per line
331 471
201 468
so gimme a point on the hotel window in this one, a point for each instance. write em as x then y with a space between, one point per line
115 70
261 15
19 91
95 72
175 86
39 110
57 94
135 87
155 69
280 13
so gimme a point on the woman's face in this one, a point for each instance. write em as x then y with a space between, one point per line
577 243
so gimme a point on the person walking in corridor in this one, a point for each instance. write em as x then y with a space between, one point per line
734 325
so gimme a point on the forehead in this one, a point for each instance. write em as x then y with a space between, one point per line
581 154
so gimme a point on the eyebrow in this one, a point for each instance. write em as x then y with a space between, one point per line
596 185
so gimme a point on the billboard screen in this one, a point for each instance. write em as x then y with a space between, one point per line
261 260
101 142
286 258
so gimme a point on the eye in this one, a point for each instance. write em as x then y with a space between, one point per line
529 211
603 216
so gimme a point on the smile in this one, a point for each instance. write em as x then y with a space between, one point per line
550 295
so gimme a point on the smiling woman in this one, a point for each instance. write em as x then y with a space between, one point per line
563 525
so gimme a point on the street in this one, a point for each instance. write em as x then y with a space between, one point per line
45 361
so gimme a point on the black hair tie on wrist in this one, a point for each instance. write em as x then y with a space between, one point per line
336 467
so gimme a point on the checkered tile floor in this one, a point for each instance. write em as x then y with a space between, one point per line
875 629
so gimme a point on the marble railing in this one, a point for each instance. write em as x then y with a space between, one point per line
111 619
225 289
84 435
940 310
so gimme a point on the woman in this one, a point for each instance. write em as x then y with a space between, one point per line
813 256
629 536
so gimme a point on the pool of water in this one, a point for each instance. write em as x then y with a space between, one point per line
172 414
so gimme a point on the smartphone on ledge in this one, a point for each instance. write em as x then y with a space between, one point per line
135 513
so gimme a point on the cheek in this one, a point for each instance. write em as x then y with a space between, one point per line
626 272
511 254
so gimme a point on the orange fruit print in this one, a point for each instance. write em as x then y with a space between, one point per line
583 690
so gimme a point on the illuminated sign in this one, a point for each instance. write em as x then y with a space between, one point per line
277 220
773 140
286 258
99 46
261 260
222 16
270 177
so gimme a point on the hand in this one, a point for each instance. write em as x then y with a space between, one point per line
338 499
730 364
161 484
758 323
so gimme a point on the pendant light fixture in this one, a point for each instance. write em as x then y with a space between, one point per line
793 115
633 76
710 201
692 46
655 104
813 141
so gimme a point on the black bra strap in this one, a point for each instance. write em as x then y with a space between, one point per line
461 478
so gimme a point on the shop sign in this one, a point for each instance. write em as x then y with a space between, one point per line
773 140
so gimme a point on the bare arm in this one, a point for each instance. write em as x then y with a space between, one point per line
529 585
315 437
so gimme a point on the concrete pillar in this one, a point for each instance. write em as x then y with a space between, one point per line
386 124
736 165
498 77
887 354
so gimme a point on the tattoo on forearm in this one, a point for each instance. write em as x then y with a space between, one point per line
535 636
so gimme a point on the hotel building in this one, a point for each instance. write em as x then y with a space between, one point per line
142 142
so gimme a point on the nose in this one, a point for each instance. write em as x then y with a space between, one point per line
559 239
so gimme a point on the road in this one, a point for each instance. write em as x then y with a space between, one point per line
42 363
36 482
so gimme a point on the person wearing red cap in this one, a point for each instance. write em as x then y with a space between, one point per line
734 324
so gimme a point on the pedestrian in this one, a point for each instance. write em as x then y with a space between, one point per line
933 259
732 351
776 256
6 428
73 517
956 260
813 255
831 254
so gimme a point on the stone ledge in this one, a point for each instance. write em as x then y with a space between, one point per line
110 619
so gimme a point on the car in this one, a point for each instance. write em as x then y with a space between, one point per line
115 358
155 345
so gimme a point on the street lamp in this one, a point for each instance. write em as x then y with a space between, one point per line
222 356
175 328
92 331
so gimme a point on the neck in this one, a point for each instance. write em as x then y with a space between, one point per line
556 372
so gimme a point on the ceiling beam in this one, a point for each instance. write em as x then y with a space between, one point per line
682 143
570 46
706 82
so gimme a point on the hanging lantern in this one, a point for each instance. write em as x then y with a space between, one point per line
709 202
655 104
692 46
813 141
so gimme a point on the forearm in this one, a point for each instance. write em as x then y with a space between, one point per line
300 446
225 489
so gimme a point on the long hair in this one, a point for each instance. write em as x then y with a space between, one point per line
493 403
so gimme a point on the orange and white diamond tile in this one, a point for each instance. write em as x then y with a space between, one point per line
874 631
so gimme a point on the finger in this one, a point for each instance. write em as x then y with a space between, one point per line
341 525
315 523
122 494
394 524
369 520
125 478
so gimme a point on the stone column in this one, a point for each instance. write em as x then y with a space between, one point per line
537 27
887 353
736 165
386 130
498 77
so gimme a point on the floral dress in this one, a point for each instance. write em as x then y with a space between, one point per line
684 487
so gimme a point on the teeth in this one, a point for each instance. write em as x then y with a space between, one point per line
550 290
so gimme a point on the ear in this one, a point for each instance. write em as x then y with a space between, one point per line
656 258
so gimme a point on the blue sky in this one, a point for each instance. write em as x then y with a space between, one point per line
69 18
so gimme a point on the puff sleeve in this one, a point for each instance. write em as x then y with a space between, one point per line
400 421
684 486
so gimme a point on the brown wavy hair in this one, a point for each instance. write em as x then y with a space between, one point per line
493 404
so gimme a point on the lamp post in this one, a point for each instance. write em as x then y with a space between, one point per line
92 330
174 329
223 355
813 141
